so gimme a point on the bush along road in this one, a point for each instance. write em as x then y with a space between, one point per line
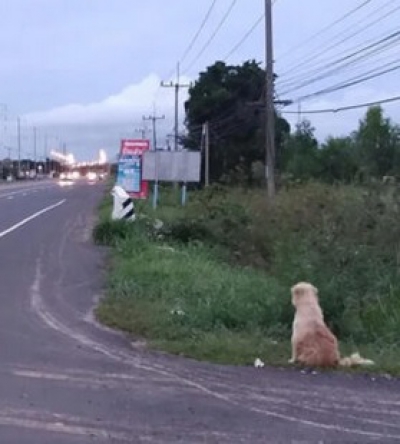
213 283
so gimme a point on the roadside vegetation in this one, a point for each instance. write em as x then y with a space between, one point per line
213 282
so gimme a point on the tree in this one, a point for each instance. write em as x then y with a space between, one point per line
338 160
301 157
229 98
377 144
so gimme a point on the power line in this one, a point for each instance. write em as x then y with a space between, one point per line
213 35
247 34
245 37
349 59
345 108
193 41
293 80
326 28
224 131
349 83
318 65
340 38
196 36
177 85
358 62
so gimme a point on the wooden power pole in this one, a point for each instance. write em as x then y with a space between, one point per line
207 154
269 103
153 120
177 87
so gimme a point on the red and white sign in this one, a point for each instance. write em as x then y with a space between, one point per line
130 167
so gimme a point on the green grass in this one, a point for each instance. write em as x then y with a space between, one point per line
215 285
151 282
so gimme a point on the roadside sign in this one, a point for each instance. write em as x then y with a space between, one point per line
130 167
172 166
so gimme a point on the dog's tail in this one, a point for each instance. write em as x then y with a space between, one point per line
355 359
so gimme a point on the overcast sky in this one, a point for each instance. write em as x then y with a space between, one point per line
86 71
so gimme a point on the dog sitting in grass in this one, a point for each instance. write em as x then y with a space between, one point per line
313 344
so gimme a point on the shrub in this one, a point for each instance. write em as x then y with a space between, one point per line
109 232
343 239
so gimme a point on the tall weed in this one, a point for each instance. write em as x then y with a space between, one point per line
344 239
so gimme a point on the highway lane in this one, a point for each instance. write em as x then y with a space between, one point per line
18 204
16 188
64 379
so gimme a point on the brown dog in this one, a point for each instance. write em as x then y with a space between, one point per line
313 344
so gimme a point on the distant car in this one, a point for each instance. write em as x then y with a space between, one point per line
66 177
91 175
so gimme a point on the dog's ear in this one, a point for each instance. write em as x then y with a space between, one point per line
296 290
299 289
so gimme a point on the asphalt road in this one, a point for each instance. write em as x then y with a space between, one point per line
64 379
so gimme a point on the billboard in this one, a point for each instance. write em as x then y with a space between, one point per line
172 166
130 167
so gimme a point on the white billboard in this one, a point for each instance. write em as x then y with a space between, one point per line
172 166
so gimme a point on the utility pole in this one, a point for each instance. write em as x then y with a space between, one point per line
46 168
299 113
206 135
177 87
269 103
3 139
168 142
34 149
153 120
19 145
142 131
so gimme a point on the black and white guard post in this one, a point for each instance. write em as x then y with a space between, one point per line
123 207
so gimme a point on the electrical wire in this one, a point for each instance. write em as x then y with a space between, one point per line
245 37
327 28
351 82
213 35
340 38
349 60
192 42
345 108
196 36
353 67
247 34
294 80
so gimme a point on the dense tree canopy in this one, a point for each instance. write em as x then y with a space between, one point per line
378 144
300 156
230 99
370 152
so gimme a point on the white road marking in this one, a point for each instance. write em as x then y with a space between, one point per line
30 218
87 377
24 191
